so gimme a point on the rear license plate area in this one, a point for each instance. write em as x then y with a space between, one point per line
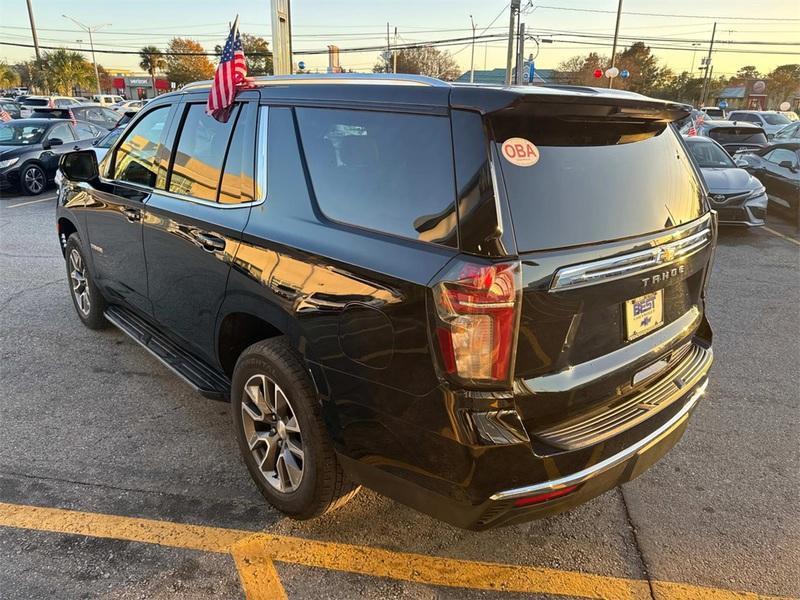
644 314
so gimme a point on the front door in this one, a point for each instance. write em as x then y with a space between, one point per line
192 230
115 208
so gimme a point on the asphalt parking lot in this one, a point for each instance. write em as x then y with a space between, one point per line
118 481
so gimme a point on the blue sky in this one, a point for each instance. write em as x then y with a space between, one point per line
351 23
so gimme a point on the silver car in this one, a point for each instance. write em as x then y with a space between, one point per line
771 121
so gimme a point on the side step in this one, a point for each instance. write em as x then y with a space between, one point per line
206 380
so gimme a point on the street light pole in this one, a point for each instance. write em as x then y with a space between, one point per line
90 31
614 47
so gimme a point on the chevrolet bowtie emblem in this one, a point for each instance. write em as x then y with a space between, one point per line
666 255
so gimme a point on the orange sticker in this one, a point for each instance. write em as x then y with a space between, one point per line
520 152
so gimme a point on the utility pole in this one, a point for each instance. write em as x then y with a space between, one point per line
614 47
90 31
510 56
388 47
707 76
281 37
472 57
394 53
520 54
33 32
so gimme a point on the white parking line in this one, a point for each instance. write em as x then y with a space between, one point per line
780 235
32 202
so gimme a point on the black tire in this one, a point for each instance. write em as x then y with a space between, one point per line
322 486
90 310
32 179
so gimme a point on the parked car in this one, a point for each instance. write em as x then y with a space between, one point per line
422 290
32 102
789 114
788 134
771 121
12 108
778 168
102 117
30 150
134 105
714 112
738 197
107 99
732 136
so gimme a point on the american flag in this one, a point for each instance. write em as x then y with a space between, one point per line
231 72
4 116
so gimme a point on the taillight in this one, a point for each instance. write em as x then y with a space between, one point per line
476 318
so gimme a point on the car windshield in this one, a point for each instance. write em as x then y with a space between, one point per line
12 134
708 155
776 119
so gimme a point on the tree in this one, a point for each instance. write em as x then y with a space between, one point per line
257 52
646 76
8 76
64 70
186 62
783 83
682 88
425 60
747 72
579 70
152 61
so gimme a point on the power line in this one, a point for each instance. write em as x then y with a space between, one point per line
670 15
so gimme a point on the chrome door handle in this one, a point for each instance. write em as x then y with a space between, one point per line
210 242
132 214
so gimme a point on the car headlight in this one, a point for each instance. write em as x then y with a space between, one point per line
8 162
756 193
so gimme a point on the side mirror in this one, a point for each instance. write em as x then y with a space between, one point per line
79 166
52 142
787 164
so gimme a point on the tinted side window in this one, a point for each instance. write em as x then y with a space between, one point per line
238 178
779 155
389 172
86 131
62 132
201 147
136 157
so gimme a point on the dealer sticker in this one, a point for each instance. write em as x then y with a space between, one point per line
521 152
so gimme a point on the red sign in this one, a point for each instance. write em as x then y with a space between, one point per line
119 83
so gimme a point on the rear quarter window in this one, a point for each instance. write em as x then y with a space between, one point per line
389 172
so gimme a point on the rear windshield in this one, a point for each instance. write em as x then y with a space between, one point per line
595 181
36 102
714 112
728 135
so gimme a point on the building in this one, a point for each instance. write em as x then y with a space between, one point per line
498 76
136 87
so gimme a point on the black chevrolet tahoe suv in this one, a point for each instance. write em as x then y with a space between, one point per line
484 302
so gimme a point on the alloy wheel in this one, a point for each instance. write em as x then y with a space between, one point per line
34 179
80 286
273 433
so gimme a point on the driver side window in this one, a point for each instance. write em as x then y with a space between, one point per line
135 159
780 155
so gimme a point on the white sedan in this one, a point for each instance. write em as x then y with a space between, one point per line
125 105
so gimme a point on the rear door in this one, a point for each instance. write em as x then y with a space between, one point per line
192 229
587 213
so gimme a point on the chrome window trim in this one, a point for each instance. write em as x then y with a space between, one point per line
619 267
612 461
261 155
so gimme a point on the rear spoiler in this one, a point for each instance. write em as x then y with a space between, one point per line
568 101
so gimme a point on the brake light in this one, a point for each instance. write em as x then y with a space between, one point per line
477 314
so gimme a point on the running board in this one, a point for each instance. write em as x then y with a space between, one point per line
206 380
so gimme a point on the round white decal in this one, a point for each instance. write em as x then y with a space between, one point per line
520 152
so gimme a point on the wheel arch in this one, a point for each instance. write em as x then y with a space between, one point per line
66 227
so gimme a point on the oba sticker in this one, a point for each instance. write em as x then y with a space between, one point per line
521 152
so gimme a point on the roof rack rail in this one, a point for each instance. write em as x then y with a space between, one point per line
322 78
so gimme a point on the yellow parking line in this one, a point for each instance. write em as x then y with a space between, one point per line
781 235
254 554
32 202
257 573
